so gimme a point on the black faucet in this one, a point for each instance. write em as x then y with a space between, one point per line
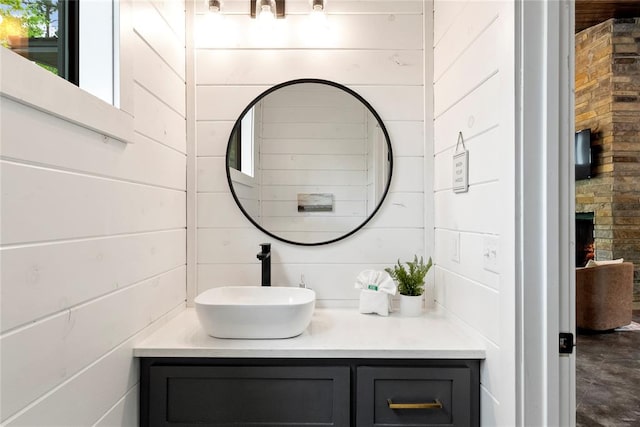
265 256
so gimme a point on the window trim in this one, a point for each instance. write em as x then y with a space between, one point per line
27 83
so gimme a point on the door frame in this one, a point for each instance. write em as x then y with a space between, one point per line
545 265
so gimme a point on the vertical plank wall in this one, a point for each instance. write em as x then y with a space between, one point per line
93 243
374 48
474 93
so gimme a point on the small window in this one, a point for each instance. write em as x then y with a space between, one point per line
43 31
71 38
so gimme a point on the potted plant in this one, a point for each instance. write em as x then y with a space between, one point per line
410 280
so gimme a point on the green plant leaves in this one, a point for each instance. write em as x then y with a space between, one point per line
410 279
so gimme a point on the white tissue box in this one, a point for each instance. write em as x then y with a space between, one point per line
374 302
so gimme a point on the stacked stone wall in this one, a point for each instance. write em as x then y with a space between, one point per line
608 103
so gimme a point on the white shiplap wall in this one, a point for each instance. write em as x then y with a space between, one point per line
374 48
474 93
93 236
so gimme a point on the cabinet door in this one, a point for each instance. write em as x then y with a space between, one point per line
249 396
415 396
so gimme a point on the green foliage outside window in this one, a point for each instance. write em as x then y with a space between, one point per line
25 22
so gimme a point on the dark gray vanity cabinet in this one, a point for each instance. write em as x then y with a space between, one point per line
249 395
416 396
309 392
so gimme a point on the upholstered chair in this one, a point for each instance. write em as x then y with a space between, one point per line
604 296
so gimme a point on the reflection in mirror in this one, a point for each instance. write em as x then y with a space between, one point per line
309 162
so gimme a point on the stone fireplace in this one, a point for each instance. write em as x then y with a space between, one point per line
608 103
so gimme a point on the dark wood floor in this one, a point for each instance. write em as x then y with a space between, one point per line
608 378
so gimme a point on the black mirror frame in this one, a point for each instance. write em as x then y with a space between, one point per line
328 83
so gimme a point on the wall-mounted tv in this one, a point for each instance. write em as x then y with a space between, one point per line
583 154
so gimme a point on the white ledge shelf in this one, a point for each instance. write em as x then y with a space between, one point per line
27 83
333 333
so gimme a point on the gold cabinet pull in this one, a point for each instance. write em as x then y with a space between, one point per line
433 405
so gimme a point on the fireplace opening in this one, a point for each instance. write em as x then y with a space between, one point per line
585 249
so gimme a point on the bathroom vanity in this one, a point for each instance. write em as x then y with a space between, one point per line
346 369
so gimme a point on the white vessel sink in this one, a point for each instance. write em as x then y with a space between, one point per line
255 312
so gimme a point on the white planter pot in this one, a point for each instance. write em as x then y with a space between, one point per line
411 306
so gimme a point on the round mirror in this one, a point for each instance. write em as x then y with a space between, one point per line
309 162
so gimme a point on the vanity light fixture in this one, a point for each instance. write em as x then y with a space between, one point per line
318 12
267 9
215 6
317 6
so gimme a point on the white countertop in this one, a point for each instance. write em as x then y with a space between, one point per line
333 333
